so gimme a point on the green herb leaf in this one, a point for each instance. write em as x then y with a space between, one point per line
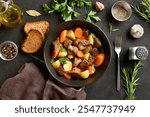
38 59
63 61
66 8
91 15
51 60
47 9
130 80
63 50
110 26
76 14
116 29
144 10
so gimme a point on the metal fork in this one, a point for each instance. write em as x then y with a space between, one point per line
118 42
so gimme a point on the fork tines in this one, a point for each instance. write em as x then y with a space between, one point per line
118 41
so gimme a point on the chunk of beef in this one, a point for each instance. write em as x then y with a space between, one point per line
85 42
67 43
60 71
86 32
91 60
73 49
76 42
81 47
77 61
94 52
57 46
97 42
84 64
75 72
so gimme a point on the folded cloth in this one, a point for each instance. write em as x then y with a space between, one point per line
29 84
54 91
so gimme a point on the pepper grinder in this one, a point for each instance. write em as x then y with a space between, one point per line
138 53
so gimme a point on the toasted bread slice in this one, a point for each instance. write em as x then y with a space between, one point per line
33 42
41 26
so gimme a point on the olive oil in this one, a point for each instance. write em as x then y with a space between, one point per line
10 14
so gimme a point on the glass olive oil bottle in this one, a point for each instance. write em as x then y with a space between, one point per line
10 14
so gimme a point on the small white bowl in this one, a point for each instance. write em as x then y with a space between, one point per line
121 10
15 48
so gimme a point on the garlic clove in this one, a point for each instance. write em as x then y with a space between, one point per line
99 6
136 31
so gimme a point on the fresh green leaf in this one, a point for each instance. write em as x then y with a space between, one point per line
116 29
37 59
110 26
63 50
80 3
130 80
96 18
47 9
88 19
144 10
91 15
88 4
63 61
52 60
66 8
76 14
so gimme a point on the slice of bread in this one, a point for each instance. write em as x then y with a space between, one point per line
33 42
41 26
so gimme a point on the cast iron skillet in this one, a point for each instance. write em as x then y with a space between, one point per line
70 25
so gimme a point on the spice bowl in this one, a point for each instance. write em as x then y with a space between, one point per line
121 11
8 50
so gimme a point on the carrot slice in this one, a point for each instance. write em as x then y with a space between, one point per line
55 54
78 32
99 59
63 36
91 70
80 54
67 76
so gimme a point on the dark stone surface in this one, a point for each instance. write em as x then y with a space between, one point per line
104 88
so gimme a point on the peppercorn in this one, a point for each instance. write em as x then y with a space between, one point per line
8 51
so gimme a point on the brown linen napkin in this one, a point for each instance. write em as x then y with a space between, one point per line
29 84
54 91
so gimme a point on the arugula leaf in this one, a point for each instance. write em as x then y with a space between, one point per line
91 15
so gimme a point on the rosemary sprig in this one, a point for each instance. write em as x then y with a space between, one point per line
144 12
130 80
38 59
110 26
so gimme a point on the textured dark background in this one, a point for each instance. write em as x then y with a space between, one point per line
104 88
